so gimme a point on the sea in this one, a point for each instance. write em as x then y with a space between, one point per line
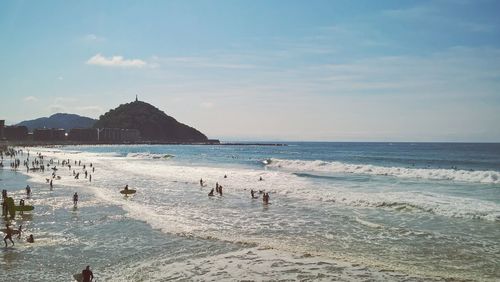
337 212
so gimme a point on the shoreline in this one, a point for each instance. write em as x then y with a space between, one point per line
76 143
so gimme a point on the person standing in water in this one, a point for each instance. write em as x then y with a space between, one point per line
28 191
75 200
201 182
8 232
87 275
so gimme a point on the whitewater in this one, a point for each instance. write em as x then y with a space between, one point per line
338 212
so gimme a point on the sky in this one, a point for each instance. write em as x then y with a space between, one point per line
262 70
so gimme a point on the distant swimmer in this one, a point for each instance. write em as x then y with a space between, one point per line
211 192
225 176
75 199
9 233
86 174
93 169
260 178
220 190
77 176
30 239
201 182
87 275
51 186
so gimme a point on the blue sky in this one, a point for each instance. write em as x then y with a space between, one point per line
262 70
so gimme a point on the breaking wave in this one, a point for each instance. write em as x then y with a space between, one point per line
479 176
150 156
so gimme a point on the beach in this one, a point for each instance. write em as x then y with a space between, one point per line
338 211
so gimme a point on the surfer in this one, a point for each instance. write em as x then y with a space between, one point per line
87 275
30 239
75 199
9 233
211 192
126 188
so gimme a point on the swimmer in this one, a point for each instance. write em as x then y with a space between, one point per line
211 192
30 239
260 178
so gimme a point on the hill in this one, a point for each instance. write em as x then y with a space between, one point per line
153 124
60 120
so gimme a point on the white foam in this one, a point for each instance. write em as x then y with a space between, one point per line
422 173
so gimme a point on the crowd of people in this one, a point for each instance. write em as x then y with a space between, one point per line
38 163
253 194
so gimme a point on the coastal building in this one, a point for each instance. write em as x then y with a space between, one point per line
83 134
118 135
15 133
49 134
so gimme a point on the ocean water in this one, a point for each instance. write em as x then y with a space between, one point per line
339 211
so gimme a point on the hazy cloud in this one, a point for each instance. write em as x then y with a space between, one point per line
93 38
115 61
30 99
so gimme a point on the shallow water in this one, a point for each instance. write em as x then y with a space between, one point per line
339 211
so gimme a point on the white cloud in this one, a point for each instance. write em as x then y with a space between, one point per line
30 99
115 61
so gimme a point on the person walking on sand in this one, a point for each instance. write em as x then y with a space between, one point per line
9 233
75 200
87 275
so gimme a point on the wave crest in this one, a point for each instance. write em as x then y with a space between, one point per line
479 176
